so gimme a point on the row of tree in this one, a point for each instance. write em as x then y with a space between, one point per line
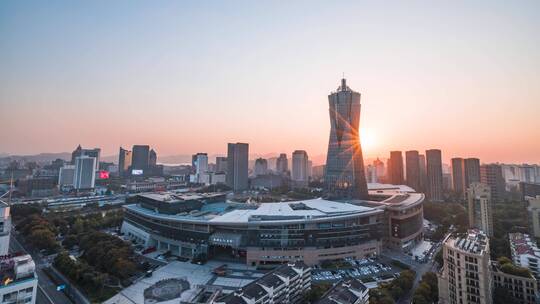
389 293
428 290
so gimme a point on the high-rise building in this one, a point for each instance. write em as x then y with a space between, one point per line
140 158
434 175
79 151
200 162
491 175
533 211
124 161
261 166
5 227
423 172
66 176
152 158
237 163
282 164
412 165
85 173
19 280
344 176
379 168
299 174
471 168
221 164
371 174
479 208
466 277
395 168
458 176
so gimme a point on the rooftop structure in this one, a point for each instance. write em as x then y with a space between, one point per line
465 276
525 252
350 291
286 284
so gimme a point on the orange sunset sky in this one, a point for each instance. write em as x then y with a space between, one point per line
188 77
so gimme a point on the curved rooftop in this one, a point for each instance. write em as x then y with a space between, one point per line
232 213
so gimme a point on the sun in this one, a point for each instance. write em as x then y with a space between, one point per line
368 139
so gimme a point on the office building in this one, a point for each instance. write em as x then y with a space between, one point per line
261 166
465 277
348 291
434 185
379 169
282 164
299 174
371 174
221 164
480 208
344 176
471 171
140 159
318 172
286 284
85 173
491 175
152 158
458 176
124 161
528 190
423 172
533 211
412 163
525 252
237 166
200 163
66 177
395 168
79 151
523 288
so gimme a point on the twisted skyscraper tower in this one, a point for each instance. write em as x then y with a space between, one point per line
344 175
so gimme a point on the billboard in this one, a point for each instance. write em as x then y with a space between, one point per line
136 172
103 174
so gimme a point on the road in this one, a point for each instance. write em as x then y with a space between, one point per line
419 268
47 293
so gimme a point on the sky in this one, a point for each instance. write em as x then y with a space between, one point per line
191 76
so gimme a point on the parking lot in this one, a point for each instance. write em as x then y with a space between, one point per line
368 270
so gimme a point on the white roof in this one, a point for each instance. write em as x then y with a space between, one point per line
315 208
378 186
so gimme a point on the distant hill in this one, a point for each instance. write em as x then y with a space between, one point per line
40 158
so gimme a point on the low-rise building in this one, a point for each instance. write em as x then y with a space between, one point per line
350 291
286 284
522 288
525 252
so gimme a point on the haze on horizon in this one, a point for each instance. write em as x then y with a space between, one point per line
188 77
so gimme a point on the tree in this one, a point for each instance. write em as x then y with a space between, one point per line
502 295
316 292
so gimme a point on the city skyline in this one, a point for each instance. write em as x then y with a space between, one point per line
249 79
